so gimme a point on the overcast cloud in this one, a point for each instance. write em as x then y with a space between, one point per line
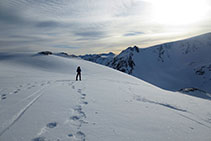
87 26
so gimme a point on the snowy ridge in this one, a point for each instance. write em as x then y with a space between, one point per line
102 59
172 66
40 100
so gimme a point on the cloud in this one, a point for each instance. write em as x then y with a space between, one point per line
133 34
66 46
89 25
132 8
90 35
10 16
47 24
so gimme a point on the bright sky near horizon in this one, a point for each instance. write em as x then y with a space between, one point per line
95 26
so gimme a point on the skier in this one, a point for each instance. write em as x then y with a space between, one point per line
78 73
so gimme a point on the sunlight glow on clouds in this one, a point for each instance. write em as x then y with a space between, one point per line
98 25
179 12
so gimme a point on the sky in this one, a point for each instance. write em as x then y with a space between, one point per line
96 26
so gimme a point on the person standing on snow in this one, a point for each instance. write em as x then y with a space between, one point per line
78 73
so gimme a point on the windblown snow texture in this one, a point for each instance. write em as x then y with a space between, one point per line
41 101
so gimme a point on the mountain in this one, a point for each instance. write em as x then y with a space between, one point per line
102 59
62 54
124 61
41 101
172 66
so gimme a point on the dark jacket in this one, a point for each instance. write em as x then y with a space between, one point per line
78 70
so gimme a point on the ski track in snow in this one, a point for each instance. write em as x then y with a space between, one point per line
142 99
139 98
23 110
77 118
198 122
6 92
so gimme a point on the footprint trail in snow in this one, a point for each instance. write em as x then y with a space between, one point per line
78 116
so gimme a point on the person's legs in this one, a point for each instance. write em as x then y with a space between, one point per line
80 76
77 77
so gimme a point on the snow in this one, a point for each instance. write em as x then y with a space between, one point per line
41 101
171 66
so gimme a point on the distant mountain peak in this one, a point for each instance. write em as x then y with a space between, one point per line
103 58
172 66
131 49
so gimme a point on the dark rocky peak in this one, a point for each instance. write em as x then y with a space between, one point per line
124 61
110 54
131 49
45 53
63 54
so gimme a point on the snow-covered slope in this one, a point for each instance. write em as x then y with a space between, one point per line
41 101
172 66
